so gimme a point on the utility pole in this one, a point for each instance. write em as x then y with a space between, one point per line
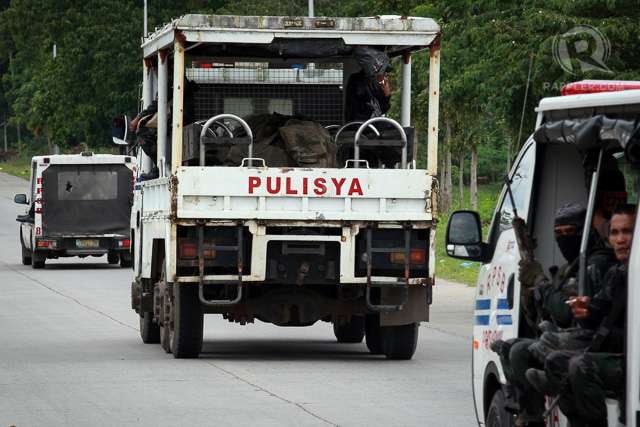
17 121
4 125
145 19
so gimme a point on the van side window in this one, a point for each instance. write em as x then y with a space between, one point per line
520 188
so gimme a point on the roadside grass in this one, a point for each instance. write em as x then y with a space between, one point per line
457 270
19 167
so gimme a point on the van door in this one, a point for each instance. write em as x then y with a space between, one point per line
496 311
633 324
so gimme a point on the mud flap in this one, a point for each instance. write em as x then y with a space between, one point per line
416 309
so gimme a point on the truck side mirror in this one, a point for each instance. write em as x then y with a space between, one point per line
121 130
20 199
464 236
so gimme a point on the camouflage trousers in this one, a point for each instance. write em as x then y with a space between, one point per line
584 380
520 396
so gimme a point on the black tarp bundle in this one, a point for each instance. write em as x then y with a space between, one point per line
594 133
92 199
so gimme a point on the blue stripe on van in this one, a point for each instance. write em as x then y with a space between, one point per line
481 320
504 320
502 304
483 304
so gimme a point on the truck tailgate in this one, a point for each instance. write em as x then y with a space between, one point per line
304 194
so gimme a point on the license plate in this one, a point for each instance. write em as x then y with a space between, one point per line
84 243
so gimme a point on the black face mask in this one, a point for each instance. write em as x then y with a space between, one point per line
569 246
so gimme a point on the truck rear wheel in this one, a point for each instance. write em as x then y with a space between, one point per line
372 333
26 253
112 258
188 317
399 342
352 332
149 330
165 329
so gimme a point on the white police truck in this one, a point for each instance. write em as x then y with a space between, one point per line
562 162
269 204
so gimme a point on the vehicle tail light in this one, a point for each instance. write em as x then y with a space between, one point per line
47 244
416 256
189 250
598 86
124 243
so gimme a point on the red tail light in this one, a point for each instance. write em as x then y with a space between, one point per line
188 250
416 256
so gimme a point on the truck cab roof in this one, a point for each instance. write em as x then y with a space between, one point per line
397 34
85 157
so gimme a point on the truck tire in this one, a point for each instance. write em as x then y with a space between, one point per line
26 253
497 416
37 260
352 332
124 262
188 318
372 333
112 258
399 342
165 329
149 330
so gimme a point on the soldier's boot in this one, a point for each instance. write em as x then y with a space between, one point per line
25 218
152 174
576 339
541 350
496 346
539 381
548 325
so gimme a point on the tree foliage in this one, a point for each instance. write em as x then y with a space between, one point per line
487 48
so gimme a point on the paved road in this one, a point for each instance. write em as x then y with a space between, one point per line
71 354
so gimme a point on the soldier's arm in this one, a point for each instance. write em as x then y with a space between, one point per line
554 302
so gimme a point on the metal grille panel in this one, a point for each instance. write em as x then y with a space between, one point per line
246 89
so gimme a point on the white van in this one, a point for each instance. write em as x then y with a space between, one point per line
78 205
557 165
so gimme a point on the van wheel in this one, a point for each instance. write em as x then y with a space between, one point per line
352 332
372 333
113 258
37 260
125 263
497 416
399 342
26 253
188 317
149 330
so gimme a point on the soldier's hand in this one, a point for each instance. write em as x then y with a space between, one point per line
134 123
580 307
529 272
527 300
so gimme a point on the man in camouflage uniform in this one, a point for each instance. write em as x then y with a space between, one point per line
584 379
545 300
